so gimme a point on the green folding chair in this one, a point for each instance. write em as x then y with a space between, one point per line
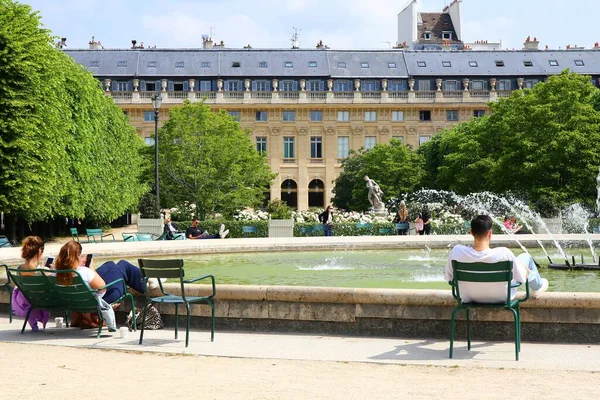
129 237
364 228
174 269
97 232
306 230
74 234
386 231
486 273
249 230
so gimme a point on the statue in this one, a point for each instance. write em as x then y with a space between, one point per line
375 194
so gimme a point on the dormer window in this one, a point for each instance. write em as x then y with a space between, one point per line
528 63
473 64
499 63
151 64
289 64
236 64
446 64
421 64
94 64
427 35
205 64
553 63
341 65
391 65
312 64
579 63
179 64
122 64
262 64
364 65
447 35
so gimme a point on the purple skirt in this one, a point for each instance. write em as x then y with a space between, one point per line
21 307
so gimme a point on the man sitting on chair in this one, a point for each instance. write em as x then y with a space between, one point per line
524 267
193 232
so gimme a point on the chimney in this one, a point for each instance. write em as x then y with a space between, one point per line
446 45
95 45
207 43
531 44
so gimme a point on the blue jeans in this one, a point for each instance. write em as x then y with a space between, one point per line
328 229
534 278
111 271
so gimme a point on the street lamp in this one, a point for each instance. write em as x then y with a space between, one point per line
156 103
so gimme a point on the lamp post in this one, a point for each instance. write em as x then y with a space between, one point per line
156 103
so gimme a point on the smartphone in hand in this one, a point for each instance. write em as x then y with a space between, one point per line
49 262
88 260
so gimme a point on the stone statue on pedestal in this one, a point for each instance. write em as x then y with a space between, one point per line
375 195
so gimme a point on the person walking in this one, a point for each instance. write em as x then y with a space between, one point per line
326 218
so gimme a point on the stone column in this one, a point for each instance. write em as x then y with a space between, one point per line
163 83
520 83
384 83
136 83
493 84
466 84
107 85
192 83
438 84
411 85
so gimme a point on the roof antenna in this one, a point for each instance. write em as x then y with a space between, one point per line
210 29
294 40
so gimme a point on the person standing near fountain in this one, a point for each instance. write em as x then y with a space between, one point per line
524 267
326 218
401 217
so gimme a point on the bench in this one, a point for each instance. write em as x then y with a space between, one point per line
44 293
97 232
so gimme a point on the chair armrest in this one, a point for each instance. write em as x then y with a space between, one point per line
107 235
212 278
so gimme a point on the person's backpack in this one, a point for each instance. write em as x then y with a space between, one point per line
153 320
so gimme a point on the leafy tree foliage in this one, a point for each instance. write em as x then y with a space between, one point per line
207 159
65 148
543 144
395 167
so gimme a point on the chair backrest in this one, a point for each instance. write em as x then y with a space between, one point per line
306 229
144 237
318 228
4 242
402 226
162 269
249 229
38 289
129 237
179 236
386 231
77 295
94 231
479 272
363 225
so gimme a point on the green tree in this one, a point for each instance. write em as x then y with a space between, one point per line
395 167
206 158
543 144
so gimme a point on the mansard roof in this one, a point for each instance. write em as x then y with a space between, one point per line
302 63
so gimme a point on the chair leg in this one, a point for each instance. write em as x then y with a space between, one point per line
128 295
67 318
187 324
143 323
516 317
520 330
452 327
10 310
176 320
100 323
25 322
212 321
468 329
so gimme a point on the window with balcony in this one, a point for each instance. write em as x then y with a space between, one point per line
289 116
397 85
148 116
478 113
370 116
233 86
316 147
315 86
122 86
370 142
178 86
261 116
424 85
343 116
261 144
205 86
289 144
452 115
477 85
530 83
261 86
288 86
450 86
343 146
397 116
425 115
316 116
369 85
504 84
424 139
235 115
342 86
150 86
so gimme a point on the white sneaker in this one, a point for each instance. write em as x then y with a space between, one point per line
536 294
224 234
221 230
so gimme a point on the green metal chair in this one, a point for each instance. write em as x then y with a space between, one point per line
249 230
364 228
486 273
316 228
174 269
386 231
97 232
129 237
4 242
147 237
403 226
306 230
8 288
74 234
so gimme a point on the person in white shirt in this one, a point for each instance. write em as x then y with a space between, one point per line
524 267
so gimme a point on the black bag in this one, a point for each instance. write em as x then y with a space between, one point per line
153 320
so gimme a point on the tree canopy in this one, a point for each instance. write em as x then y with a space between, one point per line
542 144
206 158
395 167
65 148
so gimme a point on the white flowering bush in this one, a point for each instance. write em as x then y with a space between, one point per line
184 212
251 215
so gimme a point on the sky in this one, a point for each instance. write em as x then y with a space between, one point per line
340 24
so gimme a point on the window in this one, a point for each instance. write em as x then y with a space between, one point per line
364 65
530 83
149 141
553 63
179 64
288 147
427 35
94 64
261 144
289 116
399 138
287 86
122 86
205 86
343 116
315 86
341 65
450 86
528 63
579 63
316 147
262 64
289 64
122 64
151 64
236 64
424 139
370 142
235 115
396 85
425 115
149 116
478 113
312 64
391 65
452 115
343 146
205 64
499 63
178 86
370 116
397 116
424 85
261 116
369 86
316 116
447 35
477 85
261 86
446 64
421 64
504 84
473 64
150 86
342 86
